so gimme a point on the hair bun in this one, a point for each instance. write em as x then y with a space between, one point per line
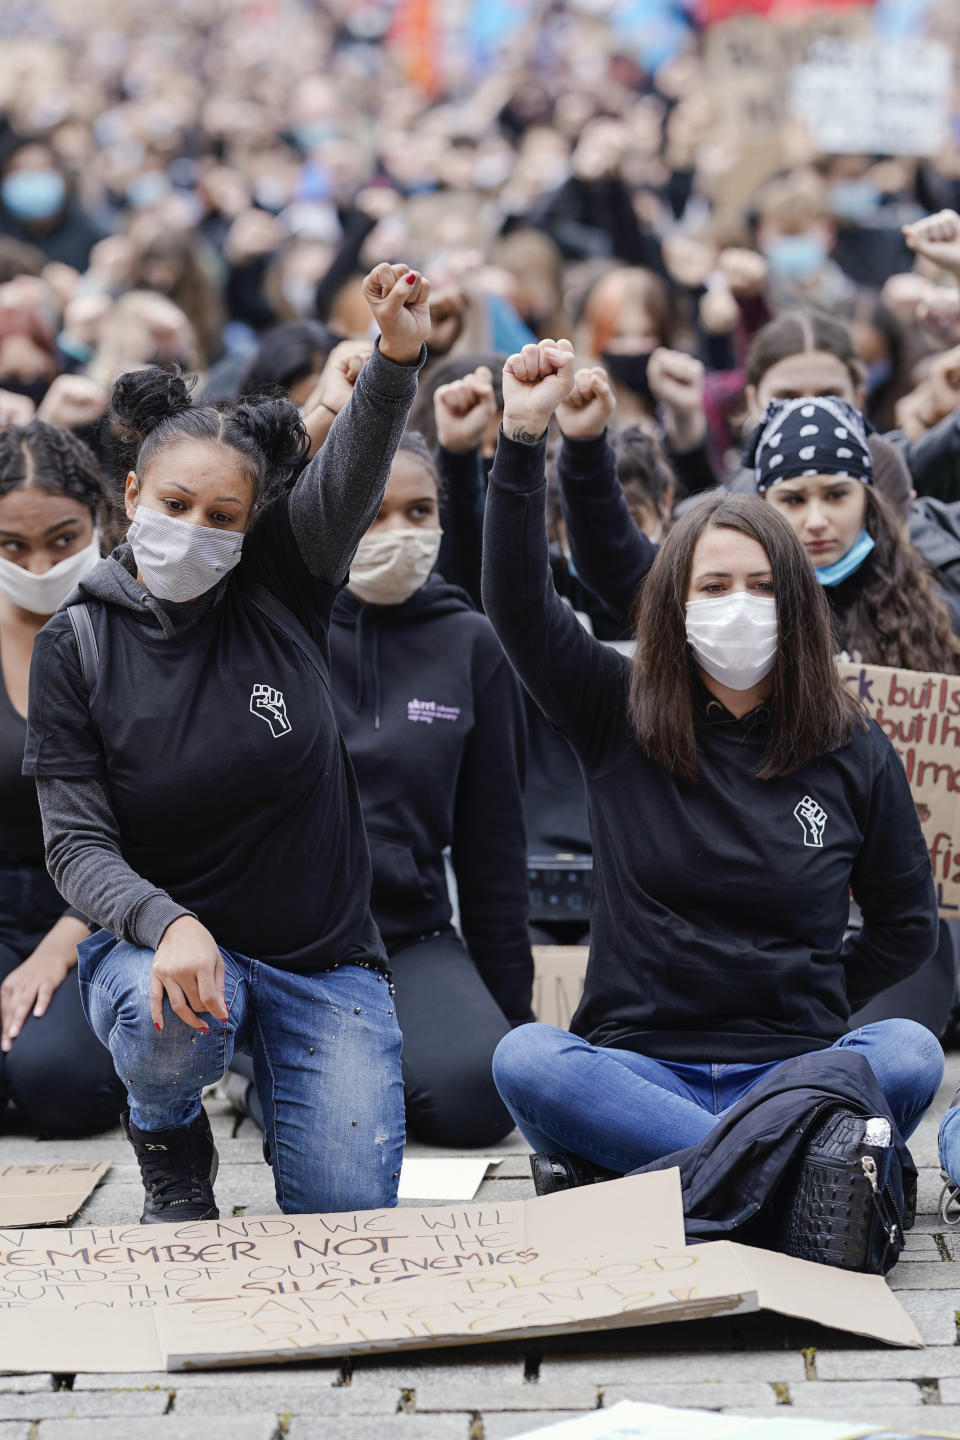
144 399
277 430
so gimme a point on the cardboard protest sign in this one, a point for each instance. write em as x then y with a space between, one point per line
286 1287
864 97
558 974
46 1194
749 60
920 714
633 1420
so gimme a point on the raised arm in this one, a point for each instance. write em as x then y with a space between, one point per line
463 410
579 683
337 497
610 554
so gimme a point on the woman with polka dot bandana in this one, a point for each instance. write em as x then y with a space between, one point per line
813 464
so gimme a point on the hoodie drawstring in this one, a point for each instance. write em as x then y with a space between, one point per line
358 694
375 661
377 689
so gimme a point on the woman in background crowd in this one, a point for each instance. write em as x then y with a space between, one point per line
430 712
52 1067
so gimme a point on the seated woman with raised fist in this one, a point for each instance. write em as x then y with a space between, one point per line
737 795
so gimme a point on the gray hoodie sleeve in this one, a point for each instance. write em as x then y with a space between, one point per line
337 497
82 841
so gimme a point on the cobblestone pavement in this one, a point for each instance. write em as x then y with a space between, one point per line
754 1365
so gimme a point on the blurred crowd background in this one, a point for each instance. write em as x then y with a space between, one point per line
177 181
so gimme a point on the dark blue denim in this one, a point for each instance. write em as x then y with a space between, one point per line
621 1109
326 1057
57 1074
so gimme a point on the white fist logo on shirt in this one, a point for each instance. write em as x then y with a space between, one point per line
270 705
813 818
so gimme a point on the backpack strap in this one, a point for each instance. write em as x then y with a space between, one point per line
264 599
285 620
79 617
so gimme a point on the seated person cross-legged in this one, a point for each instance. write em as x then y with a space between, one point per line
737 796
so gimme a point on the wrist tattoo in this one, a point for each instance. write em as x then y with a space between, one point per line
526 437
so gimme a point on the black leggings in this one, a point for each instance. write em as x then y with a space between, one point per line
451 1026
57 1074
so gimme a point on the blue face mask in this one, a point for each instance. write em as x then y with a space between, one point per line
34 194
848 564
796 257
855 200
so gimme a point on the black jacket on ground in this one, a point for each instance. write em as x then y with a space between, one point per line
732 1176
431 715
717 919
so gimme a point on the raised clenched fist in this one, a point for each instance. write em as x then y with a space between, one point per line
589 407
535 381
399 299
464 409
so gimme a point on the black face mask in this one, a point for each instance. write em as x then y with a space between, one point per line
628 368
33 389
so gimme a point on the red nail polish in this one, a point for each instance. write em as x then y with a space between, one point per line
410 279
204 1029
156 1027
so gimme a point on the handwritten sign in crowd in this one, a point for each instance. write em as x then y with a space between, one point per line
920 714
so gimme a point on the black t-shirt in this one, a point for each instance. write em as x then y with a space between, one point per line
21 833
222 759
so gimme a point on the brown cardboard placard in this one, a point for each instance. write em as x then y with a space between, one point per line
46 1194
920 714
558 974
287 1287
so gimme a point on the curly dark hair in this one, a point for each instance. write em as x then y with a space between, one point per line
54 460
152 408
888 612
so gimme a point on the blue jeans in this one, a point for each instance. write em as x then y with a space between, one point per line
949 1138
621 1110
326 1056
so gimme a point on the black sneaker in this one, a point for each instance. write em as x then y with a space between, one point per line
564 1172
178 1168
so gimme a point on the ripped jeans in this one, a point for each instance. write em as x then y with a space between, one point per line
326 1056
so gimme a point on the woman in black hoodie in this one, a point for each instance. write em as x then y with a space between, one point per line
736 797
431 715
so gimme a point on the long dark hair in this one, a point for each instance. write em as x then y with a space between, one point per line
888 613
811 713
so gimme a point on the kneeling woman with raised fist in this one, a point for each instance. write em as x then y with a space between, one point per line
197 799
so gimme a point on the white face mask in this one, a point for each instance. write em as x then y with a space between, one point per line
177 560
388 568
734 637
42 594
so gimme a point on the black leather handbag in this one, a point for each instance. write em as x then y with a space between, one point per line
843 1203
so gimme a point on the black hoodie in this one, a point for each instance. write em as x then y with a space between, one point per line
431 715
